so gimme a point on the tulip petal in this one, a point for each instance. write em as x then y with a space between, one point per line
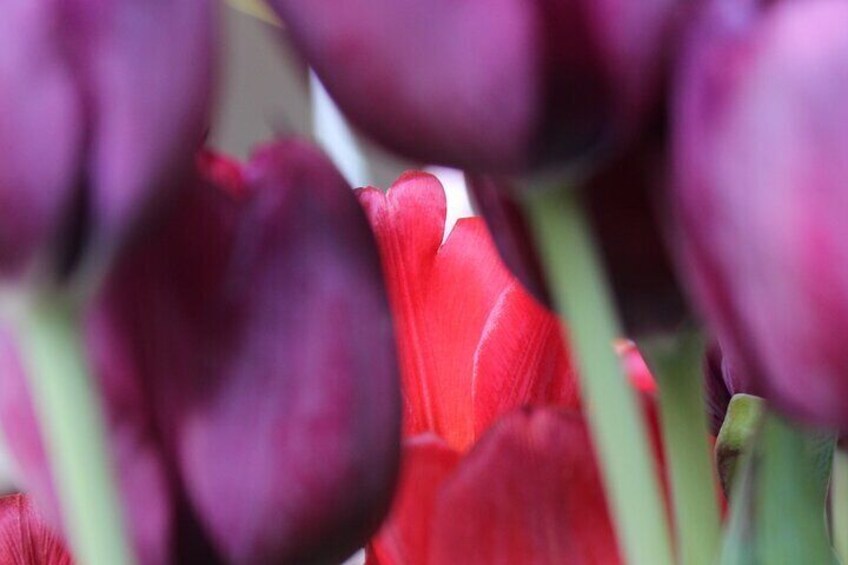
40 130
419 63
262 329
25 538
529 492
149 66
405 536
761 164
509 372
456 309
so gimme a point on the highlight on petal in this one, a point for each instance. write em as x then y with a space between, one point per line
25 539
472 343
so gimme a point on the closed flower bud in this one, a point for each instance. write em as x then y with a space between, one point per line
761 198
246 357
488 85
104 104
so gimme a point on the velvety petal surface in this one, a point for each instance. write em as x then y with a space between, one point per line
761 162
561 77
26 539
473 344
246 354
104 104
148 69
284 419
41 130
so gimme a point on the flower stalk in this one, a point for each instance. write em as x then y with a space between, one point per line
839 503
580 291
676 363
73 427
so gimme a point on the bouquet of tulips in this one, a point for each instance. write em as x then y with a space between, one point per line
636 353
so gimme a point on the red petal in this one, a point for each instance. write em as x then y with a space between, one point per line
25 538
529 492
520 359
466 331
404 537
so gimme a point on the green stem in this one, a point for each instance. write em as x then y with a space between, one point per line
72 424
792 495
615 416
839 503
677 365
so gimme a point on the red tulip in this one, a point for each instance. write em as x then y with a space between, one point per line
761 161
487 85
246 357
473 344
25 538
484 477
103 105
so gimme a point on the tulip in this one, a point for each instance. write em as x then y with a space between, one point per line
25 538
104 104
245 354
473 344
497 466
761 158
528 492
503 85
620 198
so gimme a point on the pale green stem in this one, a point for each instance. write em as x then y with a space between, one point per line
72 423
616 419
792 495
677 364
839 504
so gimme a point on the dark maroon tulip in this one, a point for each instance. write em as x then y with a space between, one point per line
487 85
761 161
102 103
246 356
620 197
25 538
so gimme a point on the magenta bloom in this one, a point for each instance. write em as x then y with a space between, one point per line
102 104
494 85
246 356
760 194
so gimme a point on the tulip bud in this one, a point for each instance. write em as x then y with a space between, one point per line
104 104
245 353
487 85
760 195
620 198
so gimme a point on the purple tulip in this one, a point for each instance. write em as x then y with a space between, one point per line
487 85
247 362
621 200
103 103
761 198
